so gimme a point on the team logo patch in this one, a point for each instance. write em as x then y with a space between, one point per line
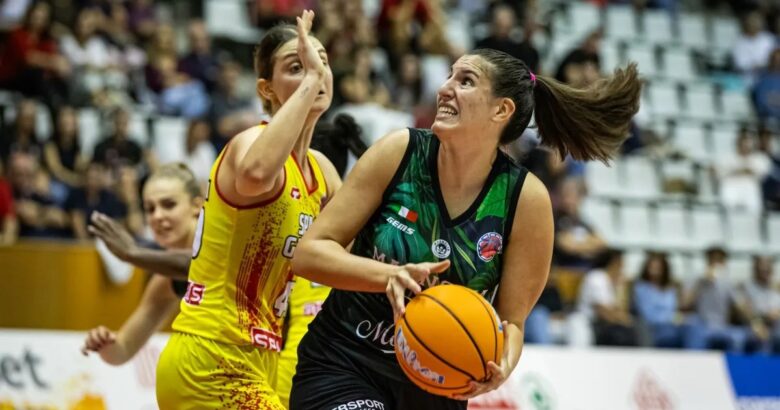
295 193
440 248
489 245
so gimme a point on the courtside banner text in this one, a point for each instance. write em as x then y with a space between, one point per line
46 370
43 369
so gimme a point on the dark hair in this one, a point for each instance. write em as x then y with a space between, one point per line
666 274
182 173
715 251
588 124
606 257
57 136
335 139
47 34
264 52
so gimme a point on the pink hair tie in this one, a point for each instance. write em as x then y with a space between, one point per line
533 78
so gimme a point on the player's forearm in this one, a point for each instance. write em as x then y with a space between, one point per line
514 347
327 262
171 263
115 354
267 154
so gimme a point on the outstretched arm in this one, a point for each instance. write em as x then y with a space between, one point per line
171 263
157 306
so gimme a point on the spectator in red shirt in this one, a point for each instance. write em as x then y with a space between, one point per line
9 226
30 62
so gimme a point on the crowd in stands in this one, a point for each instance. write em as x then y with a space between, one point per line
117 58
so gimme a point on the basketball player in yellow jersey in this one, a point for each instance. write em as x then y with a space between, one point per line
266 187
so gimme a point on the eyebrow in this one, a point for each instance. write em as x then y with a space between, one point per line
466 71
287 56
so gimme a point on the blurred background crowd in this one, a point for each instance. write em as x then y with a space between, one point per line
672 245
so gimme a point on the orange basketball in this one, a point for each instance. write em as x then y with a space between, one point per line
446 337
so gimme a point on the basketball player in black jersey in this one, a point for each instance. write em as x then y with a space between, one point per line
445 205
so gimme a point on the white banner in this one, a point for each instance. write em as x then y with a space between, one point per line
46 369
41 369
556 378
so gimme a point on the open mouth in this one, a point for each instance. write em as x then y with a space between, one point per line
446 110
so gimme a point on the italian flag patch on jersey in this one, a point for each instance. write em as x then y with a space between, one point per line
407 213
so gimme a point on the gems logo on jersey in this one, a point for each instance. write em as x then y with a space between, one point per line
489 245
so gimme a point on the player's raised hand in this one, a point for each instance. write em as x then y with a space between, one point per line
97 339
410 276
115 236
307 52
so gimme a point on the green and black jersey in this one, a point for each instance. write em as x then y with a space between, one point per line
412 225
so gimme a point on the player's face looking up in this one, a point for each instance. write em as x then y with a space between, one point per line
466 103
170 210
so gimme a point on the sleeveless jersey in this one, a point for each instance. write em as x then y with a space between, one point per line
240 277
306 301
412 225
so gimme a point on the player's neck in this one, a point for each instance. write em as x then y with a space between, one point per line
461 166
302 144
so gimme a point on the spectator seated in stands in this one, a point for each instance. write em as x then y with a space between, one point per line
38 213
180 95
741 174
95 79
22 138
655 300
199 152
752 49
9 225
544 324
771 184
407 90
603 300
142 18
163 44
230 112
94 196
501 38
30 61
712 299
200 63
760 303
118 149
62 154
766 92
577 245
581 67
413 26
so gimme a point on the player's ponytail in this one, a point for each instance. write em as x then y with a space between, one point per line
336 137
348 133
590 123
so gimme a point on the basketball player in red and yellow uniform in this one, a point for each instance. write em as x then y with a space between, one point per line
266 188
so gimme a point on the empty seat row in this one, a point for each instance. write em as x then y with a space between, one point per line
674 226
623 22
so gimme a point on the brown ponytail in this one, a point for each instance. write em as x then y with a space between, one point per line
590 123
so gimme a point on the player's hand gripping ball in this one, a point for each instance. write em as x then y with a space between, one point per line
446 337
